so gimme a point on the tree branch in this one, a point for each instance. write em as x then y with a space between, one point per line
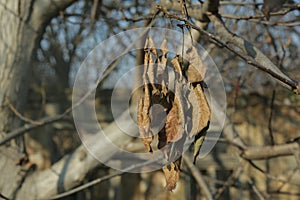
249 50
71 170
28 127
198 177
266 152
51 8
241 47
104 178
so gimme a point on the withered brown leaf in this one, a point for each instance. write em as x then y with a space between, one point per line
203 123
174 130
204 107
176 64
172 174
151 46
143 117
162 71
196 70
200 109
188 112
144 120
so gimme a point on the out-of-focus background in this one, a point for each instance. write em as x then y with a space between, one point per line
56 37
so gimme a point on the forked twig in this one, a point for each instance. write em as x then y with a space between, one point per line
18 114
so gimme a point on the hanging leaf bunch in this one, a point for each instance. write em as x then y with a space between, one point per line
186 107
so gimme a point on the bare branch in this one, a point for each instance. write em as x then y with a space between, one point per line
232 135
265 152
104 178
28 127
47 9
255 189
270 119
94 10
198 177
247 51
230 180
239 3
208 6
3 197
259 59
251 17
272 177
72 169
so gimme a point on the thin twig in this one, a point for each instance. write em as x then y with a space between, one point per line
273 43
284 193
198 177
270 119
232 3
3 197
290 23
255 189
28 127
289 8
94 10
87 185
283 54
236 91
271 176
18 114
289 178
230 181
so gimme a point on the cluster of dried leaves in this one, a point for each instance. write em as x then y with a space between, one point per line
187 111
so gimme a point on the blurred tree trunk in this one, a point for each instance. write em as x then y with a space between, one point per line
18 39
22 23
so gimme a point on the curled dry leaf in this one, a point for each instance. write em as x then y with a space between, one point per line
204 121
196 70
199 139
204 107
151 46
187 110
172 175
162 71
176 64
164 47
151 74
144 120
151 71
173 131
195 74
201 109
143 117
174 128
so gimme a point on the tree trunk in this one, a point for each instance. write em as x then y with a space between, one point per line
22 24
18 40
